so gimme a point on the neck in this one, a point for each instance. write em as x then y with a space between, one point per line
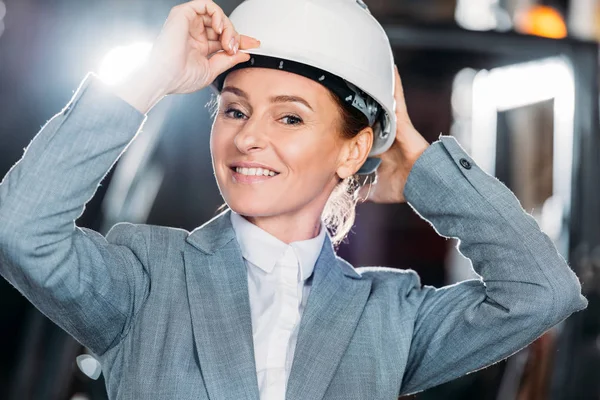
301 224
290 227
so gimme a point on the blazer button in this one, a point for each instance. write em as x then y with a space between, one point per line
465 163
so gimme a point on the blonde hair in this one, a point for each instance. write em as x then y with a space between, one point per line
339 213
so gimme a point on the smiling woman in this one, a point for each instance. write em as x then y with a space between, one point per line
300 140
276 154
255 304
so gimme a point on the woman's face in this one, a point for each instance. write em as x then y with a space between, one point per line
276 143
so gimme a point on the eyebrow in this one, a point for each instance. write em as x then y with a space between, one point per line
291 99
277 99
234 90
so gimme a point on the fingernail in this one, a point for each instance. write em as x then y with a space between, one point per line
221 28
231 43
235 48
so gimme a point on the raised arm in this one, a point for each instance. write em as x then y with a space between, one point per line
87 284
526 286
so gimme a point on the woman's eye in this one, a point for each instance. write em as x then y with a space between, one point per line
291 120
234 113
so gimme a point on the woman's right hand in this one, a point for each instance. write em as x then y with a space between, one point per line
187 53
196 44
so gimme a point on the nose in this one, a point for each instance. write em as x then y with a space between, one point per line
251 137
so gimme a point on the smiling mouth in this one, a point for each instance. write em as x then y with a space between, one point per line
254 171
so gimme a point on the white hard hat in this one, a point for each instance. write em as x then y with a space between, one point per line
326 40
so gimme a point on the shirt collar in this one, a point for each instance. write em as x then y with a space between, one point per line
264 250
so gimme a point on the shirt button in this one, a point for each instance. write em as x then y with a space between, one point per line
67 109
465 163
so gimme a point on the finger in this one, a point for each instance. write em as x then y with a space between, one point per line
219 23
402 117
222 61
211 34
214 46
212 15
209 25
247 42
231 39
204 27
399 95
197 29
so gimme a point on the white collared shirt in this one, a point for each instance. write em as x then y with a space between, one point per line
278 290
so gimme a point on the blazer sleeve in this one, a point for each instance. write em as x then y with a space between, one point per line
526 286
91 286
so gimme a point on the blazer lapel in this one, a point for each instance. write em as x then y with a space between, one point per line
217 287
335 304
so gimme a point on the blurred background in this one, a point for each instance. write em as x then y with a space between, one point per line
515 81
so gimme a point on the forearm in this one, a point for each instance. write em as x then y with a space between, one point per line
519 264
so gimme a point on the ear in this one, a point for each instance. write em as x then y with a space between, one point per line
355 153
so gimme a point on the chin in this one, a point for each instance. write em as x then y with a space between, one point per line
250 208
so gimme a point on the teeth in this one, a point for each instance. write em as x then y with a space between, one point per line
255 171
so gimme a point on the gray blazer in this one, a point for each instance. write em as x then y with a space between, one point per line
166 311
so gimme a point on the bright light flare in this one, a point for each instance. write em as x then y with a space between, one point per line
121 61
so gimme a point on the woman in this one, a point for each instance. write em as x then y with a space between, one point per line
222 311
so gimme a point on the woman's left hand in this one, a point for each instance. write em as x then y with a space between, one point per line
396 162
